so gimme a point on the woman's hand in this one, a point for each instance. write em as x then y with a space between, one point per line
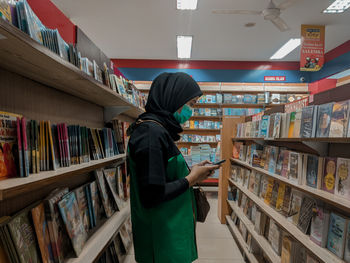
201 172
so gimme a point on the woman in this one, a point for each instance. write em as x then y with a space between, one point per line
162 201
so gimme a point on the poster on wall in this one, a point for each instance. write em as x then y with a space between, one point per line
312 47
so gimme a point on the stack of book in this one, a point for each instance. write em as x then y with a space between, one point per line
329 120
199 138
49 230
240 112
214 125
208 112
28 146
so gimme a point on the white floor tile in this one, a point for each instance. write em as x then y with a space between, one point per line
210 248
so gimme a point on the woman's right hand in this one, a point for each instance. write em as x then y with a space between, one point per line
200 173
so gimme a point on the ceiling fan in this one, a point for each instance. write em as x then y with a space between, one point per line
271 13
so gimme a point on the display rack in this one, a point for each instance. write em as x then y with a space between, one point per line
40 85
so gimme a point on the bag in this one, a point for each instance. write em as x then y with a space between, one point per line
202 204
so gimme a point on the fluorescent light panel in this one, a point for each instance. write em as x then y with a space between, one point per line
184 46
338 6
286 48
186 4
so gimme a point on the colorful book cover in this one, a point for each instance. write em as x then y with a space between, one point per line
286 251
20 148
312 170
263 186
297 124
307 122
251 181
319 227
33 148
285 164
90 207
37 148
264 157
23 237
324 120
280 196
42 233
286 200
5 11
256 158
342 183
120 183
272 160
291 124
25 147
51 147
110 175
74 225
236 149
275 237
83 206
294 167
96 202
329 174
306 213
59 239
294 210
339 120
271 124
264 126
108 206
277 126
268 195
279 162
347 244
336 234
274 193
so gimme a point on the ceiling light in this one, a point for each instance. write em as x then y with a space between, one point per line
184 46
338 6
186 4
286 48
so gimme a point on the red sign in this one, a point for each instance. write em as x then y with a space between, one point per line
275 78
296 105
312 47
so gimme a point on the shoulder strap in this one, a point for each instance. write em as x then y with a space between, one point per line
143 121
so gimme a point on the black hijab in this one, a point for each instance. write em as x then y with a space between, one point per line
168 93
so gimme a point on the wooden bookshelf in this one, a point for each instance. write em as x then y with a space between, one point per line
22 55
293 140
322 254
261 240
196 143
215 118
235 105
330 198
100 239
239 239
201 130
12 187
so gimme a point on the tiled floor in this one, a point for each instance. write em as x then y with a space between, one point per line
214 240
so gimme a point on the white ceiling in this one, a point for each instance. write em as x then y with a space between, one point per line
147 29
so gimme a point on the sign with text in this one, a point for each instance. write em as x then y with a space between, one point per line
312 47
274 78
296 105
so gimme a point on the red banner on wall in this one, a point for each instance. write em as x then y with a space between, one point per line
312 47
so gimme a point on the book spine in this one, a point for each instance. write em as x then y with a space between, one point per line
314 121
20 151
47 146
25 148
320 172
37 149
32 127
53 158
65 136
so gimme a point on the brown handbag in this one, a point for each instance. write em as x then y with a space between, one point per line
202 204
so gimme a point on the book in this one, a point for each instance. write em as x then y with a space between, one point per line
120 184
274 193
347 244
329 174
264 126
311 259
69 210
285 164
260 222
271 124
277 126
275 98
59 239
125 237
42 233
83 206
20 148
295 167
336 234
297 124
287 249
306 213
313 171
275 236
280 196
268 194
23 237
342 183
272 159
287 198
308 122
291 124
295 204
263 159
319 226
263 186
104 194
110 175
279 162
324 120
339 120
25 147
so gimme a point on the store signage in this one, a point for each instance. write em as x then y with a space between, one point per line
296 105
258 116
312 47
274 78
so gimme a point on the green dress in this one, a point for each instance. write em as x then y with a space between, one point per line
165 233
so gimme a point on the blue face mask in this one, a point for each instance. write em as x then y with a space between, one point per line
185 114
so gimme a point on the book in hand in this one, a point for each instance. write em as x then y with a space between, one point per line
336 234
74 224
329 174
339 120
342 184
324 120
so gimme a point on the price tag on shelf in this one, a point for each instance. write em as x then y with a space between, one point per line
296 105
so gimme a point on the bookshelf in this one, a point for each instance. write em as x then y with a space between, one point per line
235 106
261 241
100 239
322 254
40 85
12 187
